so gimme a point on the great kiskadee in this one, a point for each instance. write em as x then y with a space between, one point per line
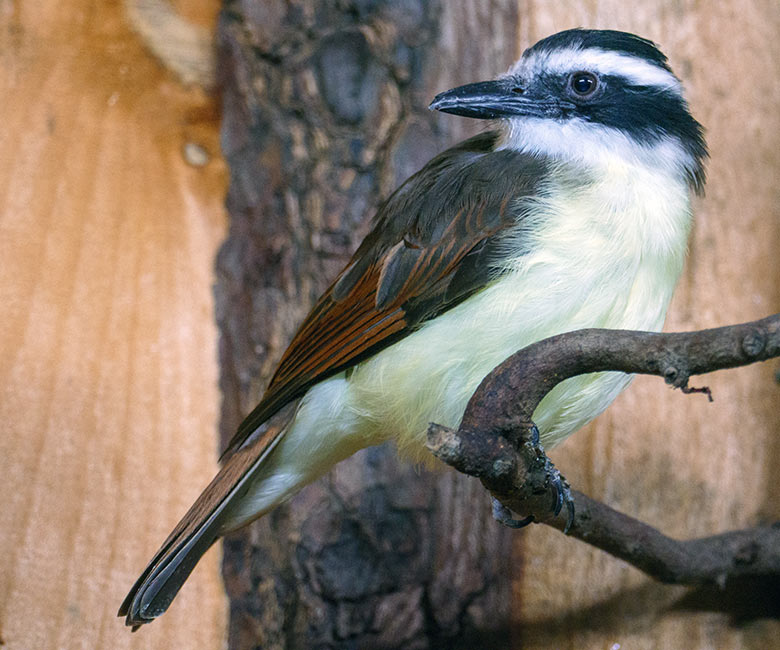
572 212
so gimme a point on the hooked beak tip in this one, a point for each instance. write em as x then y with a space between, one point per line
435 103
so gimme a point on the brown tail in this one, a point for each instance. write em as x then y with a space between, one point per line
157 586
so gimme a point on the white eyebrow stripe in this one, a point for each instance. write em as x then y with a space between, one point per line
606 62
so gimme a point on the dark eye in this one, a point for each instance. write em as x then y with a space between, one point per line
583 84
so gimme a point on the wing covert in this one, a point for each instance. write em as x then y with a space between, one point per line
434 243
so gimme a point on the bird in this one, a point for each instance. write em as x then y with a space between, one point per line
572 209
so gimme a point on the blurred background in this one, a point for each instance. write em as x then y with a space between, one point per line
112 212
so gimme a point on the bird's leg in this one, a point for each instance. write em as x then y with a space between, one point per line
561 494
556 482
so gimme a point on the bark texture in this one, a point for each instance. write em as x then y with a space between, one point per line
324 114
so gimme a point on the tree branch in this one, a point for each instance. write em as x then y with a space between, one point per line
496 443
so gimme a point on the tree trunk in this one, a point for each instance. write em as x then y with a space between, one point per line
324 114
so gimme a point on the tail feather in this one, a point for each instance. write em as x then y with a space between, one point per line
159 583
154 591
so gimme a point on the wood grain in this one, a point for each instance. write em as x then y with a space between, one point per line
108 364
677 462
107 347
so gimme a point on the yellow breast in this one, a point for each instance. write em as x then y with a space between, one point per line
604 251
598 251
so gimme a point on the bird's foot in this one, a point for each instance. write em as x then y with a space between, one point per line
561 495
554 480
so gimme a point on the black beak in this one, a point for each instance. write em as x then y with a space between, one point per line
487 100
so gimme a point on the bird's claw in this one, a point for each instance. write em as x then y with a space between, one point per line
503 515
558 485
554 481
561 495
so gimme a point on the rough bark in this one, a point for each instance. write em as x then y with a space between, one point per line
324 113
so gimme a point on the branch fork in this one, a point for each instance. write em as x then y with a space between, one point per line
498 443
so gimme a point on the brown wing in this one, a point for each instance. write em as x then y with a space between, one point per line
435 242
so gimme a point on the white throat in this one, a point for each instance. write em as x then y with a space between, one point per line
594 146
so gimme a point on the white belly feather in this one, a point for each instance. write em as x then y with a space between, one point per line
603 253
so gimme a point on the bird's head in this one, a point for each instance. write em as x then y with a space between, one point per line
588 96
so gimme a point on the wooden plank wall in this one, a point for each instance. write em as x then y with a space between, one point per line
108 363
108 349
689 467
